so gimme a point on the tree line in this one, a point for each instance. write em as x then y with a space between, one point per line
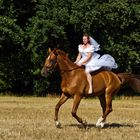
29 27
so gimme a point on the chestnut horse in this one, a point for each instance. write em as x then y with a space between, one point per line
74 84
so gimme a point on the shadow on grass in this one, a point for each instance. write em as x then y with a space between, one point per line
112 125
117 125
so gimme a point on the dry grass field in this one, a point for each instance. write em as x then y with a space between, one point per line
31 118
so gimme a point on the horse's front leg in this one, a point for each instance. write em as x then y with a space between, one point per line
62 100
77 99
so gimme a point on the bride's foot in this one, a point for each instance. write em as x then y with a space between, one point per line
90 91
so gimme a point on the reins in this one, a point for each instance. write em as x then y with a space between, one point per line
70 69
78 67
67 69
57 61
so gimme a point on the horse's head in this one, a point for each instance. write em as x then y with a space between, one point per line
50 62
58 58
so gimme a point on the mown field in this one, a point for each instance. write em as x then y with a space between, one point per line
31 118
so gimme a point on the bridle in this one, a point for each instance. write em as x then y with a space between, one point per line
71 69
53 62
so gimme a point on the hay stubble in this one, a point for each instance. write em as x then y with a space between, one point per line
31 118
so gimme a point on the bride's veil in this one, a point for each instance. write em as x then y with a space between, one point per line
95 44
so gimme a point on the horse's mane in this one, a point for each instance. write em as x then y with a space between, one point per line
62 53
65 56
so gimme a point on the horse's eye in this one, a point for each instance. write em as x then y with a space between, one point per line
52 61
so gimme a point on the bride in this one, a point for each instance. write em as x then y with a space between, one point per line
93 61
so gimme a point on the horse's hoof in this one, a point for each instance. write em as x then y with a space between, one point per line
101 119
100 123
58 124
84 123
97 124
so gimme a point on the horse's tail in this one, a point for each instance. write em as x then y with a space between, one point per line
132 80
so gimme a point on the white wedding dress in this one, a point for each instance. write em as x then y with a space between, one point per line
97 61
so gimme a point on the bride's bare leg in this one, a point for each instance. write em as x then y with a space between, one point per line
89 78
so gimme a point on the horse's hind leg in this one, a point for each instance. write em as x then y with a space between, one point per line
106 103
102 99
102 102
77 99
62 100
109 96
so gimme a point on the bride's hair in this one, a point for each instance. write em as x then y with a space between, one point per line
88 37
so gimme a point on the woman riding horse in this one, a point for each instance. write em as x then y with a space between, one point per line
74 84
91 60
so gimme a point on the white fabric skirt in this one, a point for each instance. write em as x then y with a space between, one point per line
97 61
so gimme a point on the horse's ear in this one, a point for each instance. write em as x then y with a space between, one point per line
49 50
55 51
67 54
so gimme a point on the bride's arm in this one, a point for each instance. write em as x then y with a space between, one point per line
89 55
78 58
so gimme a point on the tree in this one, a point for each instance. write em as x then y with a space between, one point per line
29 27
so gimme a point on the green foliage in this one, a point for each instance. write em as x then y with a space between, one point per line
7 8
44 30
10 32
11 38
29 27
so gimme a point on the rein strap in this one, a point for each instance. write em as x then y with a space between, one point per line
71 69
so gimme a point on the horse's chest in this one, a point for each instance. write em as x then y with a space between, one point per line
64 85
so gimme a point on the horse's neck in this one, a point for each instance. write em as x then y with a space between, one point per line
66 64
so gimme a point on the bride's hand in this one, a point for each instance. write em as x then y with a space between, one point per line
79 64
